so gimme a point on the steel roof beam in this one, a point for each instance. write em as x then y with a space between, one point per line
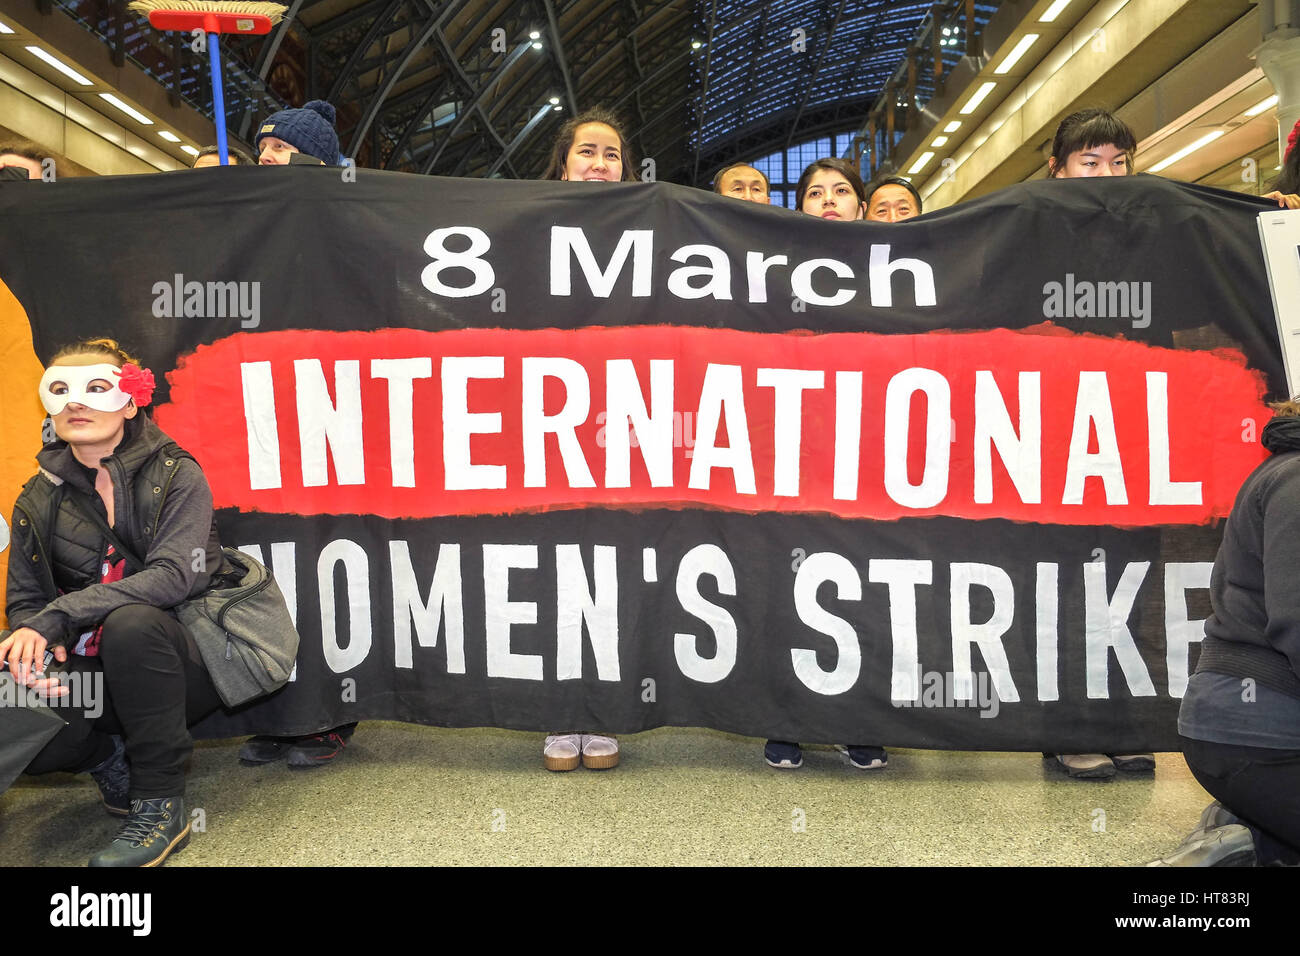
514 143
704 90
335 25
559 57
264 60
469 108
670 64
359 51
450 56
812 80
434 25
755 49
425 108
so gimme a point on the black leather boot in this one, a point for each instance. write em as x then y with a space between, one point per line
154 829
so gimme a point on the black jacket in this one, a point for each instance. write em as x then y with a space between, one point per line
1254 630
162 511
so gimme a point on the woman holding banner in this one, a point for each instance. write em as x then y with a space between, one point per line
1092 142
832 189
589 148
1095 142
112 483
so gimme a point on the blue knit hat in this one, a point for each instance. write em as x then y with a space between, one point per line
310 129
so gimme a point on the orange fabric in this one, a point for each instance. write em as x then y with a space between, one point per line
20 422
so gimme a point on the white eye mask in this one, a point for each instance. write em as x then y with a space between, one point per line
78 378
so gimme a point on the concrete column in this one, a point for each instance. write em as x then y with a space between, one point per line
1279 57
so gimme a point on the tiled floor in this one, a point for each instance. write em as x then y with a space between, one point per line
421 795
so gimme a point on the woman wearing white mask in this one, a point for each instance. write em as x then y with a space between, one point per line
106 537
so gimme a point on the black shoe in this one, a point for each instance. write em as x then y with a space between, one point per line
1134 763
317 749
113 777
155 829
866 758
259 750
1087 766
783 754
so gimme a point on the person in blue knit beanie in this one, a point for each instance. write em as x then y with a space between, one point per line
309 130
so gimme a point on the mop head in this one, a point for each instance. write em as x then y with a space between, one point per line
273 11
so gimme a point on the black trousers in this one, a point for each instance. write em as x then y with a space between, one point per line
1258 784
155 687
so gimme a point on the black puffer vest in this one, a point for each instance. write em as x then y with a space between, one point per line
68 546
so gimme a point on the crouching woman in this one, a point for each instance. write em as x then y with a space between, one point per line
115 529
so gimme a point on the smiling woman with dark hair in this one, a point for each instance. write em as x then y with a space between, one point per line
590 147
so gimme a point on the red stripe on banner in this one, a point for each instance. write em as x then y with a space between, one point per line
1046 425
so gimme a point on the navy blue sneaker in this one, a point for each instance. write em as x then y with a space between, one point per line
113 777
864 757
783 754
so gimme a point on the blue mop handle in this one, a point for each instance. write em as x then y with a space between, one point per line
218 100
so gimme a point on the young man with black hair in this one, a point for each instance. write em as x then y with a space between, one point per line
210 156
22 155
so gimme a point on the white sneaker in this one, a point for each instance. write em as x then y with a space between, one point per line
562 751
1087 766
599 752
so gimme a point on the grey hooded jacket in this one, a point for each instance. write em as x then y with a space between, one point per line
162 510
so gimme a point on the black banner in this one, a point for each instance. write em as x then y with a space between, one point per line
548 456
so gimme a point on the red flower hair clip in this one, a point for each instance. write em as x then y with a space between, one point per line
1291 141
138 383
